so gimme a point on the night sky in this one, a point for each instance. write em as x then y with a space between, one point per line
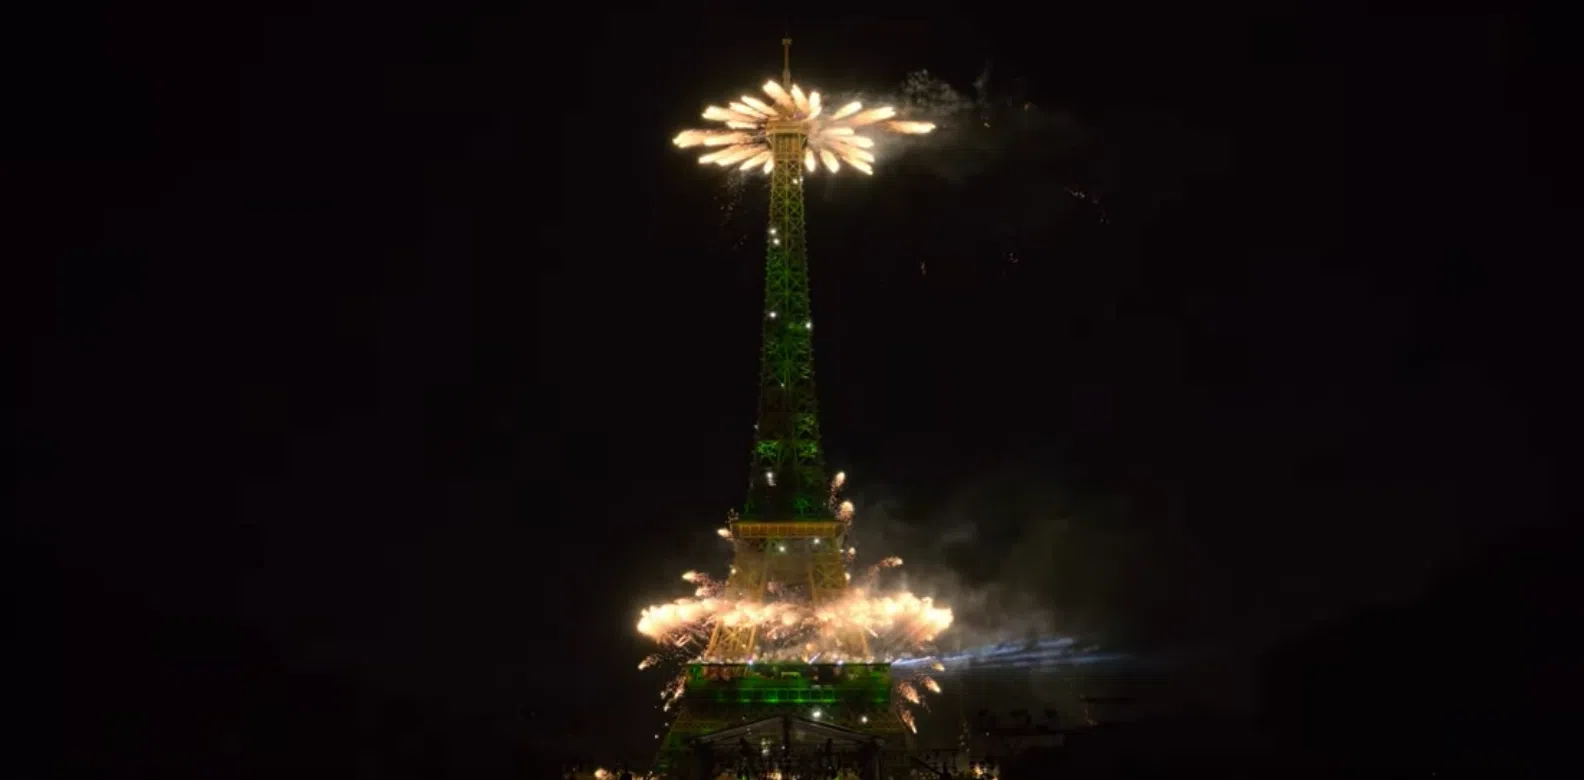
384 363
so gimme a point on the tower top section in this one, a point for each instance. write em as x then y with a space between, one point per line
786 63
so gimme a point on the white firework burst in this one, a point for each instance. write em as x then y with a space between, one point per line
832 138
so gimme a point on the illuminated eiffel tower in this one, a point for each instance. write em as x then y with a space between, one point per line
788 534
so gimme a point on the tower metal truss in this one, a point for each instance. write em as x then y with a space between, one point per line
788 532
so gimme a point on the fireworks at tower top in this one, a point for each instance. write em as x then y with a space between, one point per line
834 137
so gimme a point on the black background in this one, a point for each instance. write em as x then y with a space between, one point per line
379 364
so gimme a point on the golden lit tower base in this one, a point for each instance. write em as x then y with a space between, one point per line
805 555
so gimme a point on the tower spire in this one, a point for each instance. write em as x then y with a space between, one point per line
786 63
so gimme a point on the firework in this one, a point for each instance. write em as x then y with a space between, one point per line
900 627
707 585
833 139
872 574
908 692
897 624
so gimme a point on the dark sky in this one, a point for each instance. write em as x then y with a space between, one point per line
388 361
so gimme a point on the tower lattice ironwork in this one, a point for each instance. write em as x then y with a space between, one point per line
788 533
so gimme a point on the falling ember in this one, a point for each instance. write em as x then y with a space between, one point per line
938 666
648 662
845 511
930 684
910 128
908 692
839 480
907 720
885 563
724 533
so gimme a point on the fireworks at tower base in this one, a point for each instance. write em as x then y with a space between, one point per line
898 625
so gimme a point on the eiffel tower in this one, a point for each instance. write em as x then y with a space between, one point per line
788 539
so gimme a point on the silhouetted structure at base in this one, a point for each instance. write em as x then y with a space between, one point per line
787 744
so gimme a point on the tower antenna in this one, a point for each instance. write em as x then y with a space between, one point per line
786 63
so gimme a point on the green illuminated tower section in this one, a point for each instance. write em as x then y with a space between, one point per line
787 478
787 533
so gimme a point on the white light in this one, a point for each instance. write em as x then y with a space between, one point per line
772 316
776 241
817 714
863 718
772 230
816 541
783 548
809 325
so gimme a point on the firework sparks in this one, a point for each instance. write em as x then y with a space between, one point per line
832 140
900 627
908 692
791 628
873 572
707 585
899 622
